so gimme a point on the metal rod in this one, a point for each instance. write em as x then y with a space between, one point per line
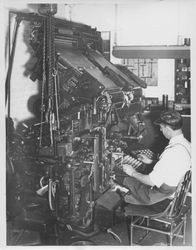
9 37
10 67
152 229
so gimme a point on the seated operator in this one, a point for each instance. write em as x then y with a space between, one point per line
168 170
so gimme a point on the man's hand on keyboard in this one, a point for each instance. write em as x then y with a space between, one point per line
144 158
128 169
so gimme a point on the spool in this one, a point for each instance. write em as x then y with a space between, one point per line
166 102
163 101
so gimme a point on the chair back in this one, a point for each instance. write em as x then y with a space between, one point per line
180 195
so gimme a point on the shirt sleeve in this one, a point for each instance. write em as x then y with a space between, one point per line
157 175
172 165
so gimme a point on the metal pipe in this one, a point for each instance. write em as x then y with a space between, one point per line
11 59
9 37
96 164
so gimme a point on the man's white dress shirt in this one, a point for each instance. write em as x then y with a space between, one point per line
173 162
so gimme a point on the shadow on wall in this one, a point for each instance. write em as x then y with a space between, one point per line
13 19
31 69
29 38
27 68
34 106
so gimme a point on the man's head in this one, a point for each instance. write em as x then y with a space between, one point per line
170 123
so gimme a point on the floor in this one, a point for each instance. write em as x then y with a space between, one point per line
152 239
119 238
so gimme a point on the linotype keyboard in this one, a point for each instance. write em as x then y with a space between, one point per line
132 160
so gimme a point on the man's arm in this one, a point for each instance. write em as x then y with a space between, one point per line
144 178
128 169
143 158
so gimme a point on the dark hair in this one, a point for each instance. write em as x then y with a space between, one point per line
170 118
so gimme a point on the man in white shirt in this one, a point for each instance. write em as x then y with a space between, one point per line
173 163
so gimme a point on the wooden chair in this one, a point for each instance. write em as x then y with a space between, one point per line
166 217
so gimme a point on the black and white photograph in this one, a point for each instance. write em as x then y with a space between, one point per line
97 124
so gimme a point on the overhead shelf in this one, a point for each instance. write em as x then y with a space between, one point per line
156 51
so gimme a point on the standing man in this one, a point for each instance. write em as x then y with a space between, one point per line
173 163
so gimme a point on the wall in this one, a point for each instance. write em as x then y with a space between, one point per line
136 23
141 23
165 81
22 88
